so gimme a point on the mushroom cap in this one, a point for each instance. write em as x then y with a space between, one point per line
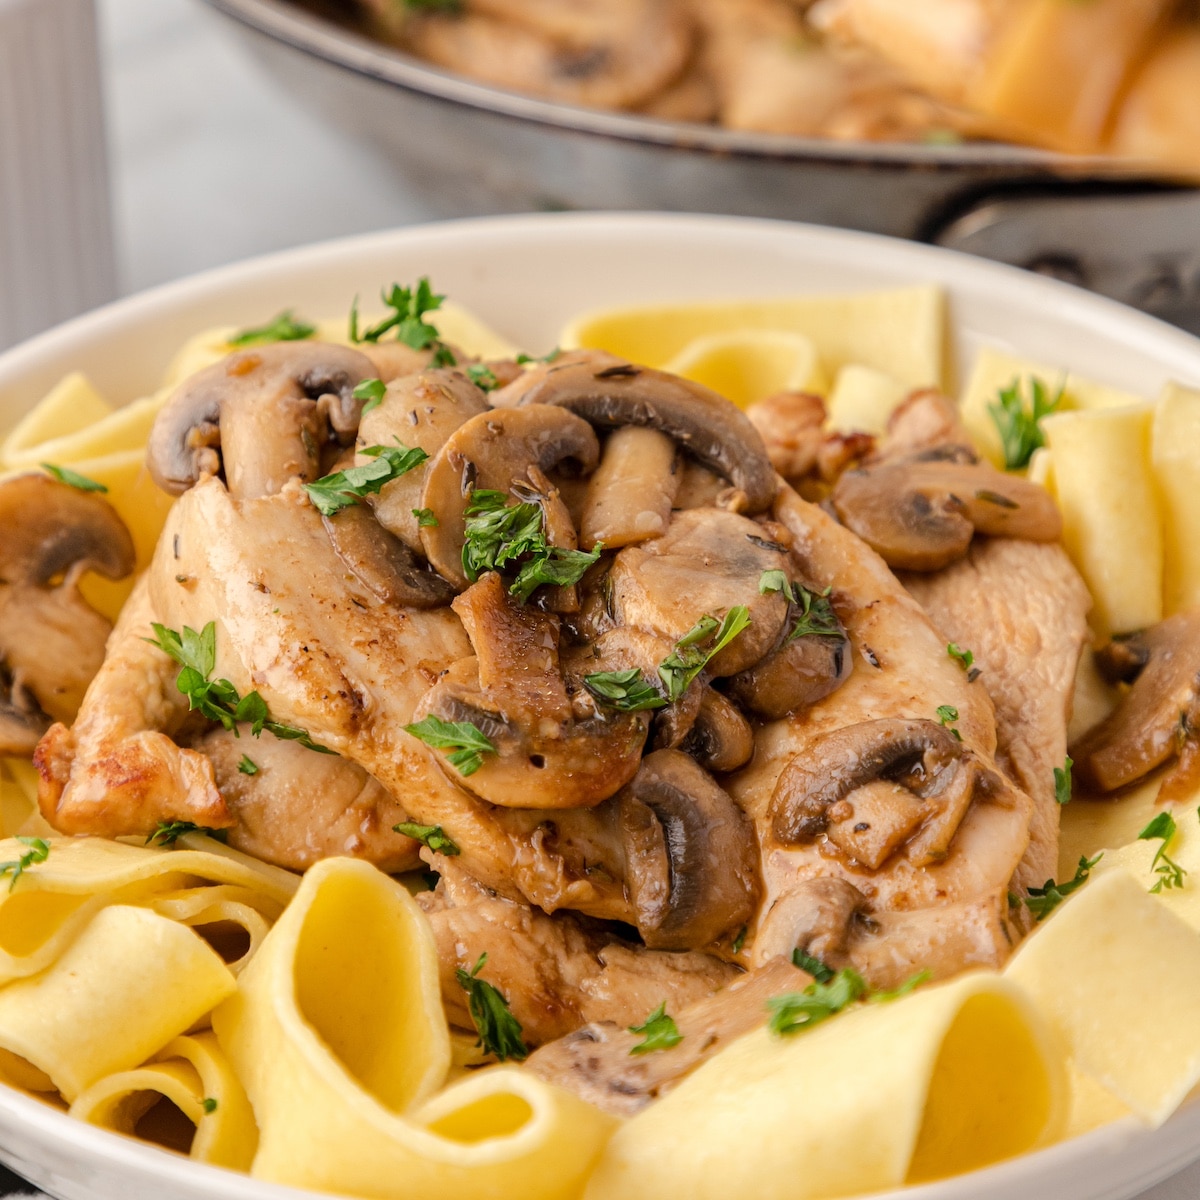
692 862
610 392
1149 726
51 529
496 450
278 386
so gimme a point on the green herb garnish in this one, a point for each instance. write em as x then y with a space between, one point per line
331 493
525 359
209 1105
433 836
169 832
965 659
285 328
482 376
38 852
816 617
247 766
947 715
1019 425
1170 873
740 940
828 995
906 988
425 518
1062 781
409 308
1044 900
467 743
814 966
626 691
73 478
499 1031
372 391
659 1030
703 642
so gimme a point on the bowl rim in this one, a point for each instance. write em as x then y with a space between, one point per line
33 1125
324 39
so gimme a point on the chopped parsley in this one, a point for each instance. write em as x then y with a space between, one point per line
814 966
906 988
433 836
467 743
816 617
526 359
947 716
410 307
38 852
499 1031
1170 873
740 940
702 643
218 699
1018 424
73 478
169 832
965 659
425 518
482 376
285 328
499 535
373 392
626 691
1044 900
828 995
209 1105
1062 781
659 1032
331 493
247 766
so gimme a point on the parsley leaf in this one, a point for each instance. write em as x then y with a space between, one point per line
1019 425
814 966
525 359
372 391
740 940
794 1012
816 617
38 852
499 1031
1170 873
285 328
626 691
482 376
557 567
433 836
947 715
73 478
169 832
703 642
331 493
467 742
659 1030
907 987
1044 900
209 1105
409 308
425 518
965 659
247 766
1062 781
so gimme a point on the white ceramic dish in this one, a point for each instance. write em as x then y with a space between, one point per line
527 275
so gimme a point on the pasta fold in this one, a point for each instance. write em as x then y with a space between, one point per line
338 1034
1118 975
129 983
193 1074
946 1080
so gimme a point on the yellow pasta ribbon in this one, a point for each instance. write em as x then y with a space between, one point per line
129 983
194 1076
943 1081
338 1034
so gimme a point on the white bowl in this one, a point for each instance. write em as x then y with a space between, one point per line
527 276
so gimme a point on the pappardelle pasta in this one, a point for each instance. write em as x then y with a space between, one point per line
436 769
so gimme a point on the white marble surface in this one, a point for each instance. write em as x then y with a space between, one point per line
211 162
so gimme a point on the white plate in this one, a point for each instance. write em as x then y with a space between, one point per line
527 276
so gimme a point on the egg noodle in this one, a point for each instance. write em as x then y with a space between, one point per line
292 1026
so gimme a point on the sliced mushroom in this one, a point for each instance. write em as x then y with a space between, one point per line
51 640
498 450
261 414
805 667
610 392
382 563
692 859
419 411
708 562
629 497
876 787
815 916
552 750
1151 725
720 737
920 511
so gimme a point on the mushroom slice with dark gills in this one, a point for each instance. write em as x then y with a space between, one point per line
1159 717
495 452
51 639
921 510
421 411
611 393
708 562
260 414
551 749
